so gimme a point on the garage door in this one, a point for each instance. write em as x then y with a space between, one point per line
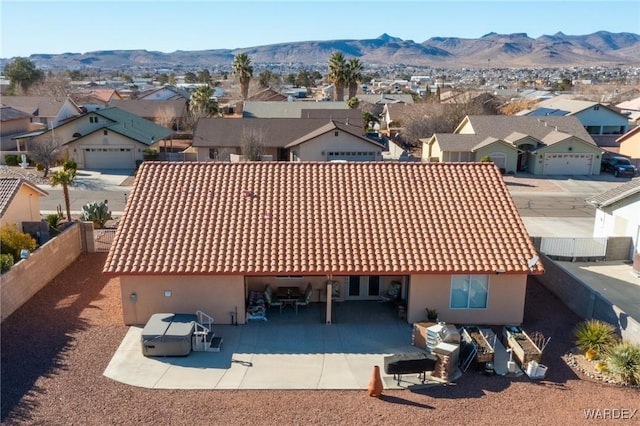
568 164
109 158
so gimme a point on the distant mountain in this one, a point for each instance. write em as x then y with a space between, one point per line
490 50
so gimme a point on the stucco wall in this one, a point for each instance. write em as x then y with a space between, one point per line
505 304
317 149
25 207
631 146
75 150
28 276
571 145
511 155
216 296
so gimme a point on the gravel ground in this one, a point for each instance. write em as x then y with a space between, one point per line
55 348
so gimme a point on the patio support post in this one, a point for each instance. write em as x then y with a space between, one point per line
329 300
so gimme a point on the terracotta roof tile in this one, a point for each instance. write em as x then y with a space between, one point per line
319 218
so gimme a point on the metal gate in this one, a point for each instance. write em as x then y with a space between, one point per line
574 247
103 239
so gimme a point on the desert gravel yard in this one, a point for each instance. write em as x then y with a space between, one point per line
56 347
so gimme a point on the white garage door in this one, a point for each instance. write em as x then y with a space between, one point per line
109 158
568 164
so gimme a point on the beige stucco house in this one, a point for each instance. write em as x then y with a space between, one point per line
630 145
541 146
108 138
202 236
285 139
19 201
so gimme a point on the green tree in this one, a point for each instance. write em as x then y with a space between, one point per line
64 178
290 79
172 79
203 103
23 73
204 76
303 79
369 120
76 75
243 70
265 78
190 77
162 79
353 76
353 103
337 74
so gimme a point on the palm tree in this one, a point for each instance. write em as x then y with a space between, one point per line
354 76
244 71
64 178
337 74
203 103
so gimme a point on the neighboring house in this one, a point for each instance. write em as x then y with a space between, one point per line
618 213
265 109
109 138
216 139
539 145
604 124
169 113
19 201
393 114
268 95
631 109
335 142
202 236
165 93
12 122
48 110
630 145
95 99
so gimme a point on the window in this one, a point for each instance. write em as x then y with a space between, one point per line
469 291
213 153
104 132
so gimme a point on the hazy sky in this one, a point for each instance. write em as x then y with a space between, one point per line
80 26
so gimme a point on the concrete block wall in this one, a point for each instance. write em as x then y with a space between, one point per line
585 302
618 248
30 275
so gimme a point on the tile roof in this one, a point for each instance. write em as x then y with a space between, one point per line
616 194
319 218
9 187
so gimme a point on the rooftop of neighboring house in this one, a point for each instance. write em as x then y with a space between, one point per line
40 106
320 218
616 194
157 109
9 187
262 109
8 113
275 132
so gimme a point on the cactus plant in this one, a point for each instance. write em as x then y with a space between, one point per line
98 213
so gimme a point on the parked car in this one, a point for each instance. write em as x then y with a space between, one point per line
619 166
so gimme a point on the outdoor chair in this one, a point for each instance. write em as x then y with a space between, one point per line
307 298
393 293
271 299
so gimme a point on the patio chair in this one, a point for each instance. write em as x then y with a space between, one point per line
393 293
271 299
307 298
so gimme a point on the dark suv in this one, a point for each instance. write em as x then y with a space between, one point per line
619 166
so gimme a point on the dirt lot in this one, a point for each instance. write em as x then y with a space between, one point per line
55 348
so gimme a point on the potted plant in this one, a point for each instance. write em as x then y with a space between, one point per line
432 315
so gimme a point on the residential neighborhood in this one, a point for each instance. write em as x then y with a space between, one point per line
218 236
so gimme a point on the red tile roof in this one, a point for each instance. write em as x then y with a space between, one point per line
319 218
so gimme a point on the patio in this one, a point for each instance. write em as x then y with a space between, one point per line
288 351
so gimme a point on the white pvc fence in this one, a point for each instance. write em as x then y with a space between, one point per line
574 247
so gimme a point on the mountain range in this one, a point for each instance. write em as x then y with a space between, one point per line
489 51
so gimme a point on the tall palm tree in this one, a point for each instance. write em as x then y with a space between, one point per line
244 71
354 76
337 74
65 178
203 103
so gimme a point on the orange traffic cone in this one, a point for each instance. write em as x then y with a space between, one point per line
375 384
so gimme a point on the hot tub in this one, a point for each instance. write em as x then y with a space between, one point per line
168 335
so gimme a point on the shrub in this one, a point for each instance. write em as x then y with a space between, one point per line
595 335
69 165
11 160
151 154
40 167
54 220
13 241
624 360
6 262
